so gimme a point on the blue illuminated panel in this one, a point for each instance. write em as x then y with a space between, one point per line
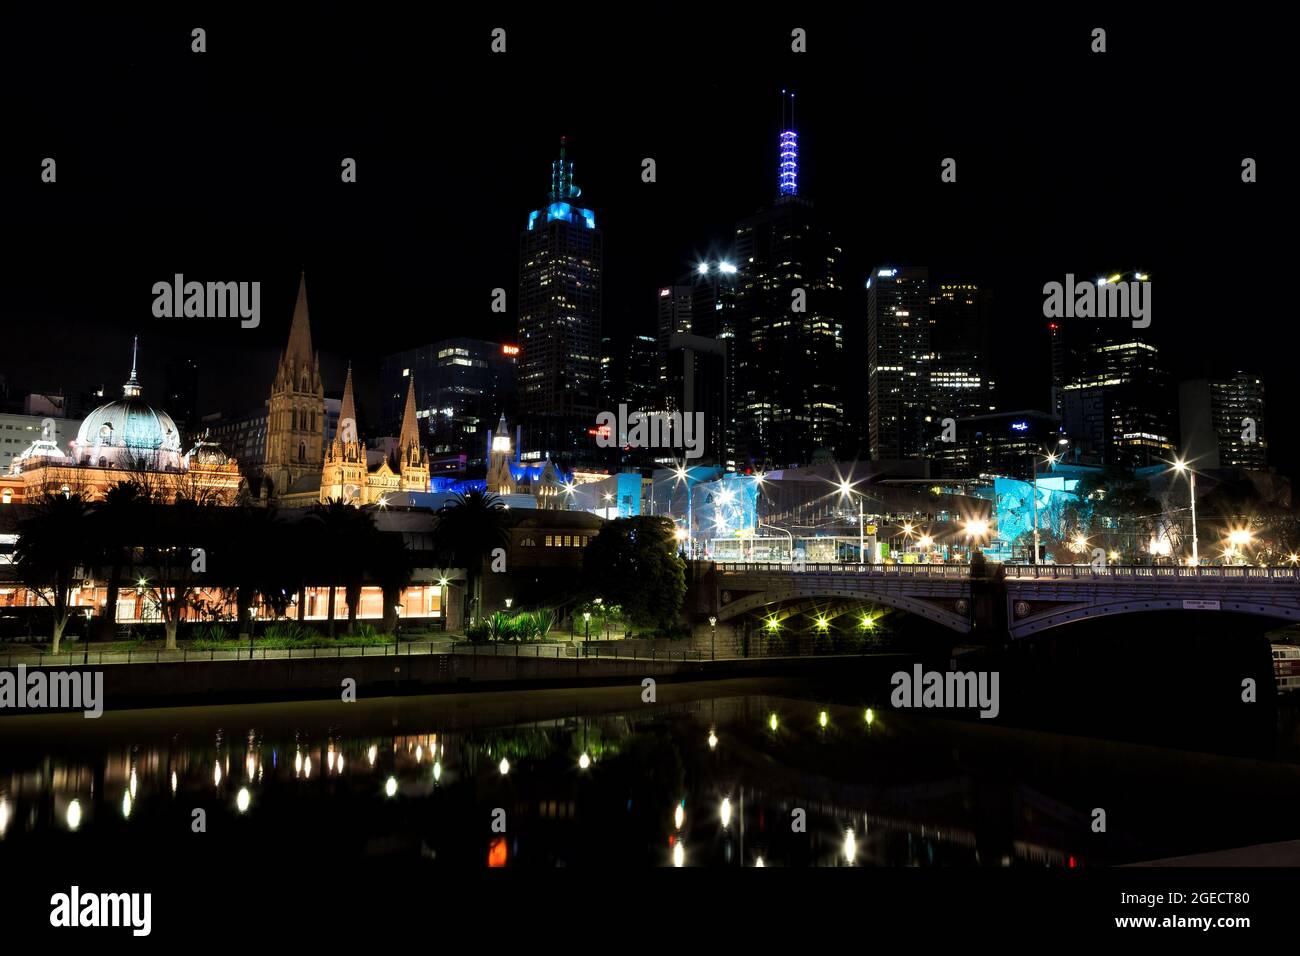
566 213
788 179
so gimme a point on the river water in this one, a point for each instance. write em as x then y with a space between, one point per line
728 773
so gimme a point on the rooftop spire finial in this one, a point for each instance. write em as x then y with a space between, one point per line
132 387
787 179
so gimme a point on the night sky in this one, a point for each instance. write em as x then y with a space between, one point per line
225 166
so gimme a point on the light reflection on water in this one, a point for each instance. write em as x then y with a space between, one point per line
749 780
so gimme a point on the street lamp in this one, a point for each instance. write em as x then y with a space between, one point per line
586 640
1180 466
1050 458
509 603
252 618
713 640
85 650
846 489
976 529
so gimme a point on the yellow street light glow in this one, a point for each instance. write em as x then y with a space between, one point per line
725 812
1115 278
584 761
772 722
126 803
976 528
1080 542
822 623
823 718
773 624
867 622
925 541
1113 556
871 717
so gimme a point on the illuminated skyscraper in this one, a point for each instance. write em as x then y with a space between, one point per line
898 362
560 254
960 381
1223 422
789 331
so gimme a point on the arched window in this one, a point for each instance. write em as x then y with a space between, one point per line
6 496
103 462
302 452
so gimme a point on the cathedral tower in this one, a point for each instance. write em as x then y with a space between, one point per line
412 460
295 428
345 474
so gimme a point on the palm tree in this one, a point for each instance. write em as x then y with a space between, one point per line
116 521
51 552
346 532
390 566
470 527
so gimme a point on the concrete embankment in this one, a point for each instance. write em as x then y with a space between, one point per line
209 682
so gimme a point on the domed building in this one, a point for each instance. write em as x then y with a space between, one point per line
122 440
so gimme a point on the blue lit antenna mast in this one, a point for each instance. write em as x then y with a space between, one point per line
788 171
562 187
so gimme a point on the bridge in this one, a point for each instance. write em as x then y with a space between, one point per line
1036 598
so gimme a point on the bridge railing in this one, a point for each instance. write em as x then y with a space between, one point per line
1015 571
882 570
1132 572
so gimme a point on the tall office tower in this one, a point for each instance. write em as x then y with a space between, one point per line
960 381
703 303
1117 405
697 385
295 429
1223 422
462 387
1058 352
898 362
789 329
560 283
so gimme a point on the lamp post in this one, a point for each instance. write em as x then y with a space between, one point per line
846 489
1051 459
713 637
252 626
1180 466
600 604
85 649
586 637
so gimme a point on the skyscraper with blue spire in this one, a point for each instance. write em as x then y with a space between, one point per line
560 273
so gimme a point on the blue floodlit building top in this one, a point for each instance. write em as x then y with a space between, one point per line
789 175
564 212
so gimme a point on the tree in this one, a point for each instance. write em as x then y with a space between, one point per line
176 538
51 554
115 522
633 563
345 534
390 566
470 527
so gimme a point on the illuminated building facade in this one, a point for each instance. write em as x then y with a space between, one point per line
295 430
560 284
1223 422
346 474
960 381
461 386
898 362
789 360
127 440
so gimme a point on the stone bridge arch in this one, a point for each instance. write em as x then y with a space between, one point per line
1022 627
921 608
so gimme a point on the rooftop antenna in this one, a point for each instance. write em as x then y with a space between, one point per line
788 168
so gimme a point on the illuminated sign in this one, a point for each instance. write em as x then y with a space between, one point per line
1020 426
664 292
509 350
887 273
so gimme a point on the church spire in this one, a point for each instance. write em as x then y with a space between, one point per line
348 411
410 434
132 387
299 348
